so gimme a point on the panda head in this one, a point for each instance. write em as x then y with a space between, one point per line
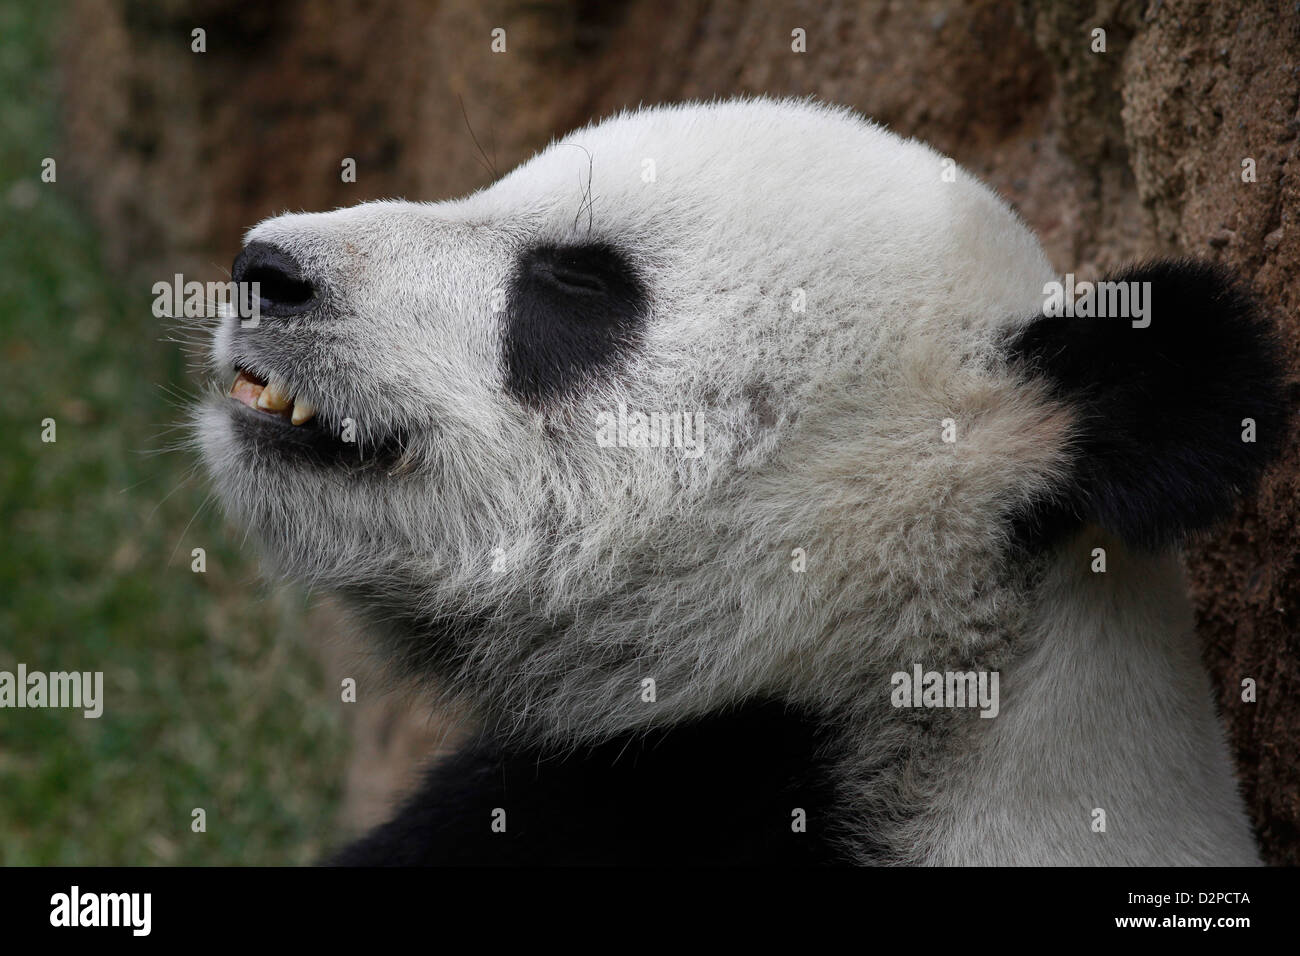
744 399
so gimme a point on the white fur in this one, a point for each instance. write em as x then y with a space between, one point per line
1108 709
822 432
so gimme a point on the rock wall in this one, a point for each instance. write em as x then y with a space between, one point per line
1110 156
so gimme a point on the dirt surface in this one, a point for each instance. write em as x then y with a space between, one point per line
1109 156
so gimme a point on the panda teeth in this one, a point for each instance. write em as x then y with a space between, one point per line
303 411
274 397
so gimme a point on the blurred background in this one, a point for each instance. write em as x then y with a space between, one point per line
224 694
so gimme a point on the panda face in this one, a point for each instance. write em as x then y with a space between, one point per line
810 312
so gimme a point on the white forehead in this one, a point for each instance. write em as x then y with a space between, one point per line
768 185
695 162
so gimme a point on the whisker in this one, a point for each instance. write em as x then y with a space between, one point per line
486 163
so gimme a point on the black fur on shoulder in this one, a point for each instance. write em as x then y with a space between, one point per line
1160 449
719 791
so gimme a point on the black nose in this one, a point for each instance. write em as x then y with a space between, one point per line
282 288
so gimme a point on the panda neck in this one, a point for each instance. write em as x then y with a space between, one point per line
1107 748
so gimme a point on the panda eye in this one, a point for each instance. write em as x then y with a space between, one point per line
574 312
581 268
578 280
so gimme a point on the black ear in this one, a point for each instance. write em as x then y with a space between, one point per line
1163 393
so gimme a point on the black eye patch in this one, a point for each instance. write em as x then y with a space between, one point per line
572 313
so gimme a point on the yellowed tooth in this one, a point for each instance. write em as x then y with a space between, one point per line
303 411
274 398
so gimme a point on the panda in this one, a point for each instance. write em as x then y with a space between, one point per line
675 455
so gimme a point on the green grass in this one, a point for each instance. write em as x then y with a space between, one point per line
213 697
